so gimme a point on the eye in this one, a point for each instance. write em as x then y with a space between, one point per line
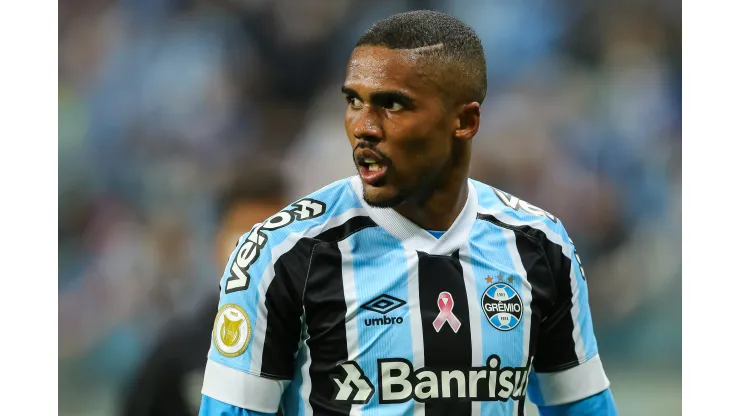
392 102
394 106
354 102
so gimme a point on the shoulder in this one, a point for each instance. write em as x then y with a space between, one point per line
287 231
507 210
313 213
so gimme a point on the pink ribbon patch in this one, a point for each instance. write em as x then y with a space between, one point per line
445 304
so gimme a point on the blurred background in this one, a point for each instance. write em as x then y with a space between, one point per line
184 122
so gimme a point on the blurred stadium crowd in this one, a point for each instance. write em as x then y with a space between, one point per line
166 105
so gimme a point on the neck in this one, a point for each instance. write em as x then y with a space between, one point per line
439 209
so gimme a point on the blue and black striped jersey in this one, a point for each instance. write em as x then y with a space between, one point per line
335 307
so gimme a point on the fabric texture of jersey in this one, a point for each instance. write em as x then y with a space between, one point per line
601 404
335 307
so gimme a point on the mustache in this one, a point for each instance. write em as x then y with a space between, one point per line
369 146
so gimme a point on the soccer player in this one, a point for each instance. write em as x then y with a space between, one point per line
409 289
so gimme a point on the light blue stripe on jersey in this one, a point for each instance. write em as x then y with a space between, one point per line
488 245
339 197
534 390
374 246
212 407
486 198
584 310
291 401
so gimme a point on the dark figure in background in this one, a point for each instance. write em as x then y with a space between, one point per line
169 381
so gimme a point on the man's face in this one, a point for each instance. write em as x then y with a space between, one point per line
396 121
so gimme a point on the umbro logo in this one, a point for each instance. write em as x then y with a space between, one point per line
382 305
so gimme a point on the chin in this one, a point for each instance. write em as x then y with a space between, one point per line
381 198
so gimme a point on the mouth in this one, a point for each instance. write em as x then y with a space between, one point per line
372 167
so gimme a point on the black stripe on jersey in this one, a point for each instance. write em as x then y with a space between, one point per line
284 303
560 352
343 231
444 349
325 309
284 311
555 348
538 274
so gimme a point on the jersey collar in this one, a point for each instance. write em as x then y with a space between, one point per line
416 238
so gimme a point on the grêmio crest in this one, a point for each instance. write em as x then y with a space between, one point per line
502 305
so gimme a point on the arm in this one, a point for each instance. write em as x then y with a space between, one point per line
601 404
568 377
213 407
257 329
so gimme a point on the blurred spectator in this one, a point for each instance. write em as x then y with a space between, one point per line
321 154
169 380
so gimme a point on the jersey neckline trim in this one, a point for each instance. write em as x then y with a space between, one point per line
417 238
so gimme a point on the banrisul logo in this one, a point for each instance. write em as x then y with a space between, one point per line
382 305
502 306
352 387
398 381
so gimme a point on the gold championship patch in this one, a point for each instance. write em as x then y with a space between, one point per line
231 330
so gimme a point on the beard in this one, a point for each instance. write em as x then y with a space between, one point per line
405 194
414 192
377 201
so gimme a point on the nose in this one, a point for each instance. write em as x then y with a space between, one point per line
366 125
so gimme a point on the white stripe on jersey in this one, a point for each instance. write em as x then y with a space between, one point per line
258 338
575 312
305 376
574 383
417 336
474 313
241 389
526 294
350 298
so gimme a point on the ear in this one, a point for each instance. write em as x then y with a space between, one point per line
468 121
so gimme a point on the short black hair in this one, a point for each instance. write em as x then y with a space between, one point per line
255 183
459 57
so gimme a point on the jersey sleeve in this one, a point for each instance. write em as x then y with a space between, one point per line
567 367
601 404
213 407
257 329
